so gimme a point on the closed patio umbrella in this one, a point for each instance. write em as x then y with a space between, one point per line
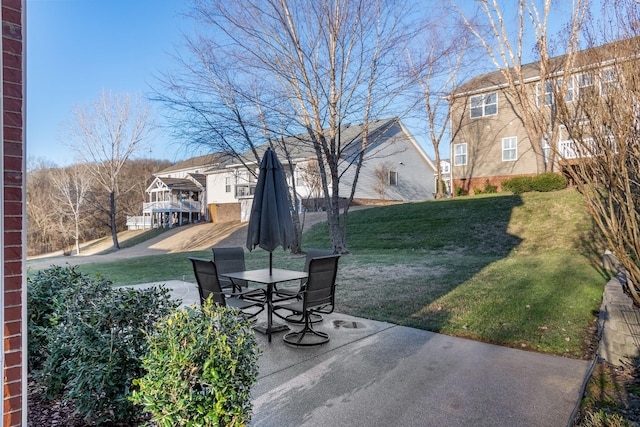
270 223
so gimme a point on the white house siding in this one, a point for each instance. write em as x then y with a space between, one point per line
415 171
216 192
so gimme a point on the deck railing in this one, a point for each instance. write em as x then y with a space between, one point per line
245 190
138 222
184 206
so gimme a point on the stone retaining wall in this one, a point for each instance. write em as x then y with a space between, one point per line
619 324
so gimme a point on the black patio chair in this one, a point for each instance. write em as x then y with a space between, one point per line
283 294
209 285
291 293
317 296
229 260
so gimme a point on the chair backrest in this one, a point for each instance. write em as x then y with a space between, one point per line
229 260
207 279
321 285
315 253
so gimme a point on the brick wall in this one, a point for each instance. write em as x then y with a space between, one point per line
472 184
13 162
224 212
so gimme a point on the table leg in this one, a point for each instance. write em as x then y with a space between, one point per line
269 309
270 328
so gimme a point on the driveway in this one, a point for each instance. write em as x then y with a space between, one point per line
180 239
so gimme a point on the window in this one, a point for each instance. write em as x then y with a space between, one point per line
445 167
585 85
608 80
546 150
393 178
484 105
460 154
545 98
509 148
227 184
569 95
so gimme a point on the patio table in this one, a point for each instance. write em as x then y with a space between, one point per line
264 277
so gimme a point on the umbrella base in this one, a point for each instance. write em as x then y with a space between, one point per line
275 327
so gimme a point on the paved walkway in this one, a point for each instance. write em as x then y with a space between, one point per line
379 374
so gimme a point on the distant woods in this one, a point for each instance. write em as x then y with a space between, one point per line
65 205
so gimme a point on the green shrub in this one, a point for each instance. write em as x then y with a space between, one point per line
488 189
543 182
518 184
459 191
96 344
201 365
44 305
549 181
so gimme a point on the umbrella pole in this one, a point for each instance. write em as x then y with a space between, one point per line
270 263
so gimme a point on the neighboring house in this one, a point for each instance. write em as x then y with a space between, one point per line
489 141
445 170
395 169
13 288
177 195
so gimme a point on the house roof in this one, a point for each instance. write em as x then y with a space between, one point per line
300 146
584 59
205 161
197 183
200 178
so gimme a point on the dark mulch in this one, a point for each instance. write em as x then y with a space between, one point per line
43 412
613 390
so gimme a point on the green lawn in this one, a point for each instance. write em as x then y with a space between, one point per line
516 270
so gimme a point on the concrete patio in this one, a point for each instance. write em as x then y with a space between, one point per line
379 374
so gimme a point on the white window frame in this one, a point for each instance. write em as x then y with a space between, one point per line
546 150
548 93
227 184
481 105
549 96
510 149
570 95
608 79
461 153
586 81
393 178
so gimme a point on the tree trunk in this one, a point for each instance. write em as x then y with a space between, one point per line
77 238
112 218
296 245
333 218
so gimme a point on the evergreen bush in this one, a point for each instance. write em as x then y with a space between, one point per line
488 189
201 365
96 339
44 306
518 184
549 181
459 191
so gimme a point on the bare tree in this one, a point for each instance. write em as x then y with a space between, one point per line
72 185
602 146
381 183
506 49
310 176
104 136
436 68
41 215
283 67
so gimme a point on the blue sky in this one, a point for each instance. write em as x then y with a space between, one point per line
77 48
